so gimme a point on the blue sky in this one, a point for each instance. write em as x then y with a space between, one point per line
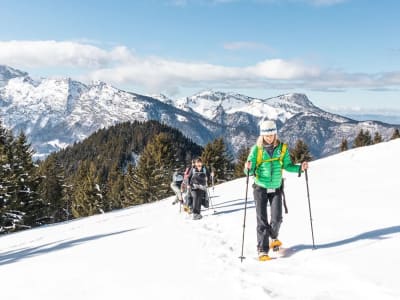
344 54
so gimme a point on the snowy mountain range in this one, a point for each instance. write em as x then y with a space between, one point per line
153 252
57 112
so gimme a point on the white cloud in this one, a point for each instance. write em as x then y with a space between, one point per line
122 66
283 69
58 54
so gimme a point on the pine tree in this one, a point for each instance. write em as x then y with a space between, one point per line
377 138
359 140
344 145
114 187
128 192
396 134
88 197
26 181
363 139
216 157
67 199
241 160
300 153
6 220
51 189
152 176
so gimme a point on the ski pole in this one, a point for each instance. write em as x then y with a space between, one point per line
212 180
210 200
245 209
309 208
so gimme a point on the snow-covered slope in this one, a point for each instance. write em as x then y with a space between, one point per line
58 112
154 252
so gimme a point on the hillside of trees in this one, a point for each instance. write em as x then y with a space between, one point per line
124 165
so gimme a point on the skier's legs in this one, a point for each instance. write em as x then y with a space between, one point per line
260 197
177 191
197 196
276 214
190 198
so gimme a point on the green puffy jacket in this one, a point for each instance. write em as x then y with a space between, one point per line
269 174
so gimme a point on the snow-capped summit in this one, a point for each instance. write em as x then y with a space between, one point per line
209 103
292 101
55 112
7 73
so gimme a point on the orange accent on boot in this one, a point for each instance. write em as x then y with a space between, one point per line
275 243
264 257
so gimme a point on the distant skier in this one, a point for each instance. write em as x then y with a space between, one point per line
185 189
176 183
198 178
266 161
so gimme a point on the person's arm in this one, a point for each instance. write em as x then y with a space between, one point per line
288 165
252 158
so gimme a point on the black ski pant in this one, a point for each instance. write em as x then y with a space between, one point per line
189 198
197 195
265 229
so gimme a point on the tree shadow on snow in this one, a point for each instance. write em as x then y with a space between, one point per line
222 212
233 203
20 254
378 234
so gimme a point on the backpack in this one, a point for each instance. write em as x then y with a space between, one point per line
178 179
187 173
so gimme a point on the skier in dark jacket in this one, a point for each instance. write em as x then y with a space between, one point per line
198 178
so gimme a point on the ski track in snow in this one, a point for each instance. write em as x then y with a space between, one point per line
154 252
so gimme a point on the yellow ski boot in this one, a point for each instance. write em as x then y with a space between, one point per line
275 244
263 256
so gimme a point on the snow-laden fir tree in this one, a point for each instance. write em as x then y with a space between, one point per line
24 192
20 205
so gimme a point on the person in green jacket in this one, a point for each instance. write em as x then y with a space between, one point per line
267 159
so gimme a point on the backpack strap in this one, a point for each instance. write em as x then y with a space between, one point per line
260 161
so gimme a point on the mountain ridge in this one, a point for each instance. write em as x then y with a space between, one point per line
58 112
